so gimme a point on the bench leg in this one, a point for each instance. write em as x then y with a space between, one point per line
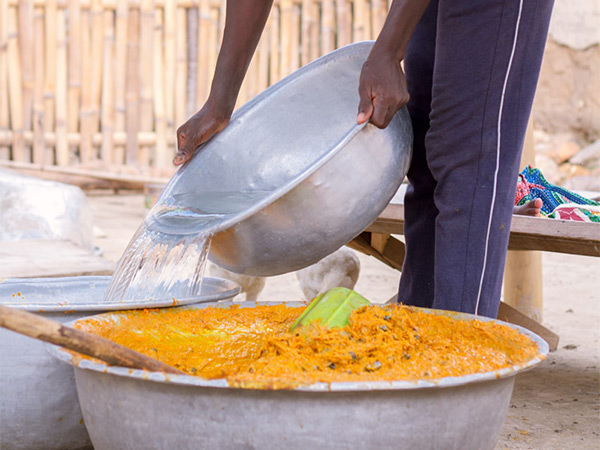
509 314
523 274
384 247
523 283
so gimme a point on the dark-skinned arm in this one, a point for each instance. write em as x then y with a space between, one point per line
244 23
382 86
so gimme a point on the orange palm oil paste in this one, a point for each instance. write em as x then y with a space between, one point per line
252 347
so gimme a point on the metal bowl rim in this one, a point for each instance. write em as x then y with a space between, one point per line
221 289
445 382
309 170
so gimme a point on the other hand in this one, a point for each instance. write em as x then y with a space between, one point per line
198 129
382 89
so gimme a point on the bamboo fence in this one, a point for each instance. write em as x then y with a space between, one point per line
106 83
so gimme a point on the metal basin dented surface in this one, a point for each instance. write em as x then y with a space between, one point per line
132 409
38 399
309 178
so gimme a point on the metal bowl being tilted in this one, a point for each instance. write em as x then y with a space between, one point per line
293 177
135 409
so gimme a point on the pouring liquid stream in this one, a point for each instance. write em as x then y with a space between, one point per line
167 255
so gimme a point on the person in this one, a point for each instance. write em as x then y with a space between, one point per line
470 73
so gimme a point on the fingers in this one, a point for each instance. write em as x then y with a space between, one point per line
383 114
375 111
380 115
365 106
378 110
187 143
365 109
184 146
190 136
180 157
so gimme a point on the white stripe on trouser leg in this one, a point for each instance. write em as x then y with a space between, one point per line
499 136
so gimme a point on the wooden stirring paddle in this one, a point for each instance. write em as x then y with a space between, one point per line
48 330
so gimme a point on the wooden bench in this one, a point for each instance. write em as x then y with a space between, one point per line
526 233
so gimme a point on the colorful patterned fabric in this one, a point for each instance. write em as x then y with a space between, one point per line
558 202
571 211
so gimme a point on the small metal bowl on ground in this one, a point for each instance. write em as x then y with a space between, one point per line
134 409
292 177
38 399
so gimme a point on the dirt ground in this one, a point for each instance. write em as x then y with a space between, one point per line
555 406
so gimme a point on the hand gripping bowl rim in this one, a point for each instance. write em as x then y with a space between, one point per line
190 380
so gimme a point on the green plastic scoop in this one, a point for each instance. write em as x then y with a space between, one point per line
332 308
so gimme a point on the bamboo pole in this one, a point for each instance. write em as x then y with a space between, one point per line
26 27
120 74
315 37
170 58
285 36
107 122
379 12
307 20
263 59
114 4
344 23
38 88
204 41
181 68
4 115
49 73
145 74
359 32
97 49
74 70
327 26
367 20
15 88
274 72
86 128
133 88
295 38
74 139
161 157
62 146
213 46
222 5
191 81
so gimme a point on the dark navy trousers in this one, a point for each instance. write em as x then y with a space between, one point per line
472 67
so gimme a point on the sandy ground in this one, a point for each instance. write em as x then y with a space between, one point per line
555 406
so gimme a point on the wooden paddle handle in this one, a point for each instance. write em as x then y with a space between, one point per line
48 330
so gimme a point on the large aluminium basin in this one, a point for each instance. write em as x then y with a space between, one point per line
133 409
